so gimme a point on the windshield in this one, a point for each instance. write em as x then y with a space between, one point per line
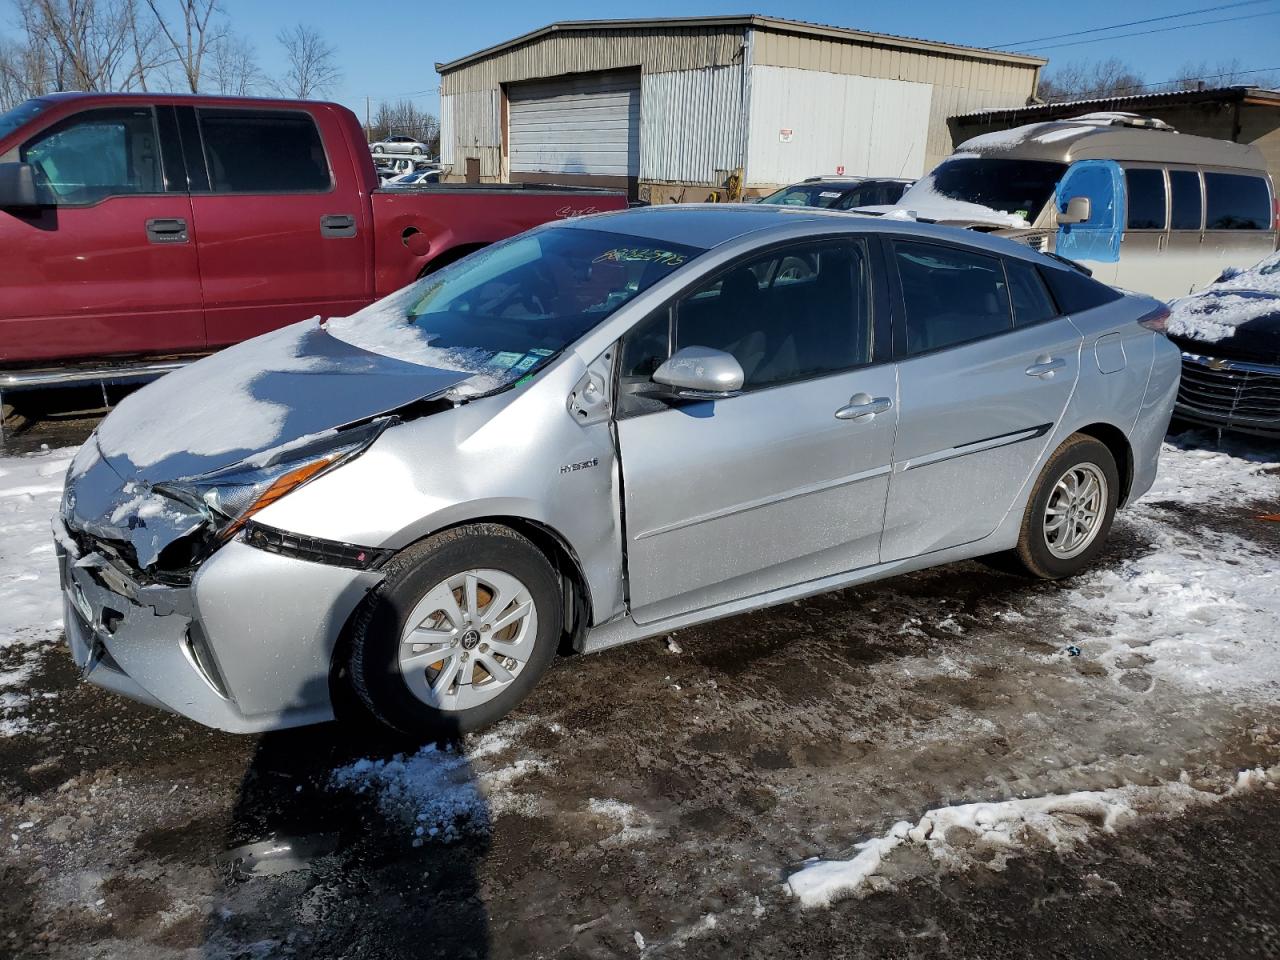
1017 187
13 119
807 195
503 312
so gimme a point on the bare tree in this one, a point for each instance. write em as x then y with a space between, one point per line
1080 80
24 72
405 117
189 36
87 43
312 63
233 66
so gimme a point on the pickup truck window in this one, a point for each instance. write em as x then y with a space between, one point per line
11 120
261 151
97 154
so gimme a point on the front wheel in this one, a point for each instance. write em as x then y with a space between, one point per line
1069 514
458 632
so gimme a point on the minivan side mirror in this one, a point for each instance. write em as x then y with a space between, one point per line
18 186
700 373
1077 211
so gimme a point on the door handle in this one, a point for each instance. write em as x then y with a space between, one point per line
862 406
337 225
1044 367
167 230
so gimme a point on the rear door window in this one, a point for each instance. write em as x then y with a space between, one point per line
1236 202
1031 301
951 295
261 151
1145 191
1184 186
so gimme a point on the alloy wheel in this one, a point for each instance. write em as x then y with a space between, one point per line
1073 516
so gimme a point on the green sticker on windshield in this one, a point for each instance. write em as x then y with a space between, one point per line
527 361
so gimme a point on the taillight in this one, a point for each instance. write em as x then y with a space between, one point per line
1157 319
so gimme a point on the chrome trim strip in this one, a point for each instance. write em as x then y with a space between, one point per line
80 376
767 501
974 446
1216 364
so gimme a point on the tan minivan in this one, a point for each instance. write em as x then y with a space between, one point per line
1143 206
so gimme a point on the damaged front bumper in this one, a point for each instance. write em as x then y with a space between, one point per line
246 647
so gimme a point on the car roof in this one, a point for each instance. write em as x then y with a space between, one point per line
708 225
1093 137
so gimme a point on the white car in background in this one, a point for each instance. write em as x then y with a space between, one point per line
415 178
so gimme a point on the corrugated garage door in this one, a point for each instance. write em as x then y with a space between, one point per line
587 124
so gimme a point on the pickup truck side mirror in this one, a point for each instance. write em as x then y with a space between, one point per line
700 373
1077 211
18 187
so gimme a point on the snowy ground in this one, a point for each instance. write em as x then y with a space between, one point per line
670 797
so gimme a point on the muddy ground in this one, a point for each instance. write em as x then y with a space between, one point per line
652 800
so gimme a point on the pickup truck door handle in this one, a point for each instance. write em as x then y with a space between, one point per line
337 225
862 406
1044 366
167 230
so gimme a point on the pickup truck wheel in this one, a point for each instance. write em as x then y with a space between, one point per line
457 633
1066 522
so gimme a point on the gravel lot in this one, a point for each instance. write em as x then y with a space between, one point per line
655 800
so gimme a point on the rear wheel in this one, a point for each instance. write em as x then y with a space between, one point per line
1069 514
416 151
457 633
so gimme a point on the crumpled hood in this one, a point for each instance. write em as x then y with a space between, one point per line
1230 324
248 399
952 214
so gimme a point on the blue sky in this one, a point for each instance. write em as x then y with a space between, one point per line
390 49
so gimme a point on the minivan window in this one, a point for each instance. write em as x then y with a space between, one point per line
1184 186
97 154
1020 187
258 151
951 295
1236 202
1145 192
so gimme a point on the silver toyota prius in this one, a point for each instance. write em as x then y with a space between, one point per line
600 430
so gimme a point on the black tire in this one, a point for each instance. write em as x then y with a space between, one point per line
375 642
416 151
1033 551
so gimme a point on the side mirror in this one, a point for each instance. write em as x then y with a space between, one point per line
18 186
1078 210
700 373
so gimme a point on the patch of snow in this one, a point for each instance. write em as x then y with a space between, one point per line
1217 311
955 837
446 793
634 824
143 427
928 204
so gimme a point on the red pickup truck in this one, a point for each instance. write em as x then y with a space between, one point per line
135 227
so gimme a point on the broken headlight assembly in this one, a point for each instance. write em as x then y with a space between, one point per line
232 495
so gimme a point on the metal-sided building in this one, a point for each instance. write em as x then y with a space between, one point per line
678 108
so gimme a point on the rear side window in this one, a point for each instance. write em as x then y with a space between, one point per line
1145 191
1185 188
1031 301
951 295
1076 293
1236 202
250 151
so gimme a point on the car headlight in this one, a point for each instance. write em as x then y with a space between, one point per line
234 494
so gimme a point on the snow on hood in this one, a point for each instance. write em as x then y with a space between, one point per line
256 396
1220 309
